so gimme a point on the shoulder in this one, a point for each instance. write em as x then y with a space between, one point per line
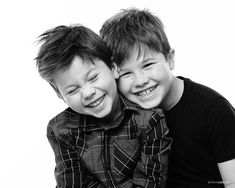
200 89
207 99
201 94
64 115
146 118
63 122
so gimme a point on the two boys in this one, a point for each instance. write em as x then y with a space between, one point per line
201 121
101 140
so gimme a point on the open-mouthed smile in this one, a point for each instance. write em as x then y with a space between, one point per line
96 102
146 92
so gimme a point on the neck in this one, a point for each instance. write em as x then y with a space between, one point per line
174 94
114 114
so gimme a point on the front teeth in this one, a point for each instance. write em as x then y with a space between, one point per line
146 92
96 103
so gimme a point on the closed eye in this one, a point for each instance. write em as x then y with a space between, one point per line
125 74
93 77
73 91
147 65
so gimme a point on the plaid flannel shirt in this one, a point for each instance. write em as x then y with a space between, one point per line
132 152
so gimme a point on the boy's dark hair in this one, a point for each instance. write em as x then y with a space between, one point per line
62 43
130 27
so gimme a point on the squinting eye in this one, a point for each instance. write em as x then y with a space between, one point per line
73 91
148 65
93 77
125 74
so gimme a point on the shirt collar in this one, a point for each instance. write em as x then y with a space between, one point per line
89 123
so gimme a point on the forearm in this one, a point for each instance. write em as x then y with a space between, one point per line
227 171
152 168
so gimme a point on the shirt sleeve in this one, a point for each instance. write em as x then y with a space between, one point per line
151 169
69 171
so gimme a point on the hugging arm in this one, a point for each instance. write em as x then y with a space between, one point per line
151 169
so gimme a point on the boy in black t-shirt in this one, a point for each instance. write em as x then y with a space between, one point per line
201 121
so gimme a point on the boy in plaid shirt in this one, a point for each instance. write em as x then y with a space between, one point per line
101 139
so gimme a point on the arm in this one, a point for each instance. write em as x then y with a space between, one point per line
227 171
222 139
151 169
69 170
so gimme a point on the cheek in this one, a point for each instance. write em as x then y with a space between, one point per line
106 84
158 75
155 72
124 86
74 101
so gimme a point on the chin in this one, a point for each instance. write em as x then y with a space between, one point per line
148 105
104 113
100 115
153 102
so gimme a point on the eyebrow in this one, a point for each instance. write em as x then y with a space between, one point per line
88 72
69 86
149 59
142 62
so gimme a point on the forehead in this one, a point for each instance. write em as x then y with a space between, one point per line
137 54
80 65
77 69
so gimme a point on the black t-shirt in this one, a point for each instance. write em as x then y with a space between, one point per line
202 125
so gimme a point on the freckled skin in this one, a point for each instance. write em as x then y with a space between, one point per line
146 79
89 88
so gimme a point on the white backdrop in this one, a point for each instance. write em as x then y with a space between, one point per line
202 32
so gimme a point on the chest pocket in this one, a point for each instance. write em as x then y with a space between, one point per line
126 155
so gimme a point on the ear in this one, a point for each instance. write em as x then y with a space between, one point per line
57 91
115 70
60 96
171 59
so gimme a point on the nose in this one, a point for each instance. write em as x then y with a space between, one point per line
141 81
88 92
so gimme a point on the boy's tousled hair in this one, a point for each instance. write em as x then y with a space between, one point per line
132 27
62 43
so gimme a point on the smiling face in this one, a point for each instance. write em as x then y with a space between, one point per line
145 78
88 87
